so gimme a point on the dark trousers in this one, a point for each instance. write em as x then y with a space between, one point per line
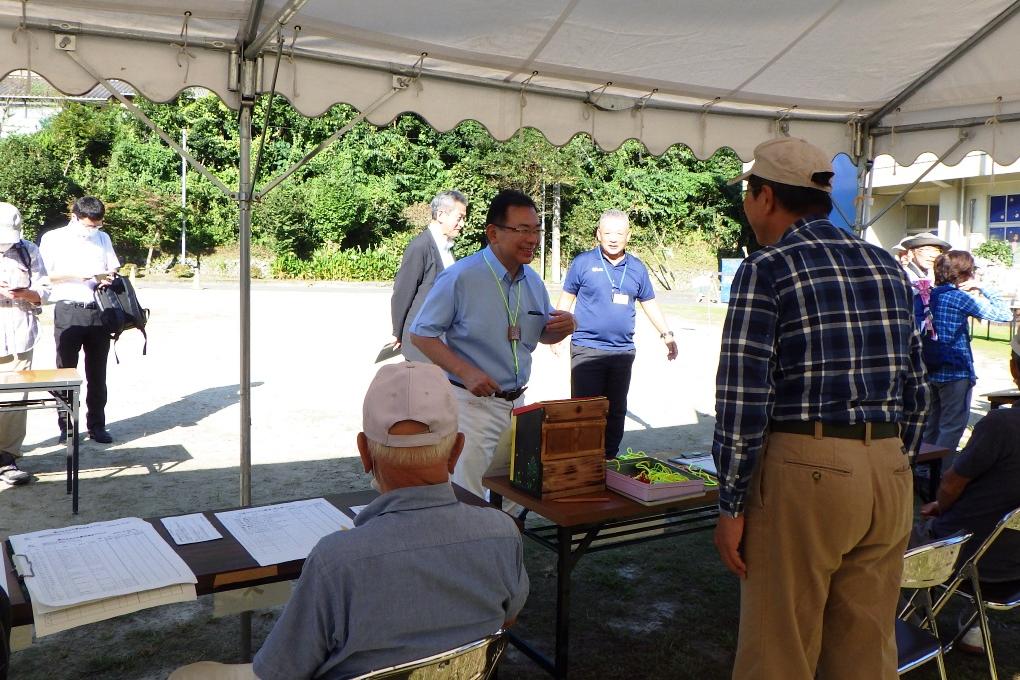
599 373
76 329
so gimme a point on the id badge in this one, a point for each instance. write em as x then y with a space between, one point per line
621 299
513 333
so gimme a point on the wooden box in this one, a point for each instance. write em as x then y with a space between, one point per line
558 447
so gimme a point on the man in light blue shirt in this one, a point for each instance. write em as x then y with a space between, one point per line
493 310
421 573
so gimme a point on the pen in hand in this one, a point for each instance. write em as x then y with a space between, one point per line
534 313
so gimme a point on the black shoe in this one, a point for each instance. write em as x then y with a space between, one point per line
62 439
102 435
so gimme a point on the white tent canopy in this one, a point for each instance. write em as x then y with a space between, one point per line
863 77
706 74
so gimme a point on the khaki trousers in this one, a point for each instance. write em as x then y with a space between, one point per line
826 524
13 423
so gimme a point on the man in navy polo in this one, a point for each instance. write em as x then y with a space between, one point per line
606 282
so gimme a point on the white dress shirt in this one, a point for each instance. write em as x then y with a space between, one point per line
74 250
445 245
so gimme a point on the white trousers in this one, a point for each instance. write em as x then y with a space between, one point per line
485 422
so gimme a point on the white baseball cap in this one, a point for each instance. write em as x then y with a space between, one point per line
409 391
10 223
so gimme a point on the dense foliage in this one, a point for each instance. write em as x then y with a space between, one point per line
996 250
349 212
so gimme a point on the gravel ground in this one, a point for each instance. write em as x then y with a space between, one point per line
174 416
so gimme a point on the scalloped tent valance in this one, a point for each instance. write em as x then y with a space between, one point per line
708 75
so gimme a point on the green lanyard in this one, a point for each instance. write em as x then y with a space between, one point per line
511 316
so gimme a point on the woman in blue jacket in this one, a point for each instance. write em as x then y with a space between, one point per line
957 295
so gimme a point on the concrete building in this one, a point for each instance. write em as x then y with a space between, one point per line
965 204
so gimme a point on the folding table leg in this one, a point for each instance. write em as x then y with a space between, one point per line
564 565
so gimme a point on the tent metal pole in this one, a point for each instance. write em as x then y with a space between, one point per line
910 187
285 14
944 63
244 237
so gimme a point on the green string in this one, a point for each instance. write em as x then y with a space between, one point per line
512 318
659 473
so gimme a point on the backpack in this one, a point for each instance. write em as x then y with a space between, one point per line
119 310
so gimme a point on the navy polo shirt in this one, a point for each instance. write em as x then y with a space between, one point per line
601 323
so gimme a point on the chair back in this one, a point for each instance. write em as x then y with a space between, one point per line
933 564
473 661
1011 520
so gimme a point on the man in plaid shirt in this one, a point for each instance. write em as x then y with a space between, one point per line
820 393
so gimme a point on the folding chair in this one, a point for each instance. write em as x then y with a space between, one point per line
924 568
997 596
473 661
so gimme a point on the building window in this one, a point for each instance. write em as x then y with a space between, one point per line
921 219
1004 217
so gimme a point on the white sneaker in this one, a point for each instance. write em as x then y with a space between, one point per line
972 642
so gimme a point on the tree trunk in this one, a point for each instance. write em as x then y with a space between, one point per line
554 255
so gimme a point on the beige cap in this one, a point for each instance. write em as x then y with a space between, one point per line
789 160
10 223
409 391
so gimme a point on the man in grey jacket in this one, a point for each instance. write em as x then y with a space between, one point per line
428 254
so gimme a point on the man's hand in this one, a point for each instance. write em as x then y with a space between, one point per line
24 294
931 509
560 325
729 532
395 342
478 382
671 350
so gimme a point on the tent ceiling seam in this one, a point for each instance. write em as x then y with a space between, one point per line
525 65
783 52
944 63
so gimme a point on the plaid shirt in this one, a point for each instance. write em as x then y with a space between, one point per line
950 313
820 326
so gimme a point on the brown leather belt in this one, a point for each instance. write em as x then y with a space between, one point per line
862 431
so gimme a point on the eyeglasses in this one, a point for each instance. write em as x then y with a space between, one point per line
522 229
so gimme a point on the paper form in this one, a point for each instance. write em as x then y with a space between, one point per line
356 509
193 528
50 620
288 531
97 561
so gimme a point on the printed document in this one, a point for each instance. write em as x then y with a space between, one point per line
285 532
194 528
96 561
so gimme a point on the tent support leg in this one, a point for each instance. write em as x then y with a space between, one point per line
244 236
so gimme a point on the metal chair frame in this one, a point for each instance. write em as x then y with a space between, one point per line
443 666
925 567
970 573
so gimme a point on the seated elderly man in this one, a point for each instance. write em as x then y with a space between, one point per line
982 485
421 573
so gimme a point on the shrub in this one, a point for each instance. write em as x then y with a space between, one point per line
996 250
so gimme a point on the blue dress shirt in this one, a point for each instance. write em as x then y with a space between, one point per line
468 304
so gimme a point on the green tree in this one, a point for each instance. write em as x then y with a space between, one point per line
32 179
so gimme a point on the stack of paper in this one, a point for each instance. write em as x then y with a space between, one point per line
273 534
87 573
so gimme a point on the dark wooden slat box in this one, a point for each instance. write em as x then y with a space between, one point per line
558 447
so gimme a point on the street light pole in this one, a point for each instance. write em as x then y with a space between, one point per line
184 192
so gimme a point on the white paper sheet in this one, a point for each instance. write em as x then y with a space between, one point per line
97 561
356 509
193 528
288 531
49 620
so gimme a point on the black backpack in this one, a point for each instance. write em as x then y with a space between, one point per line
119 310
